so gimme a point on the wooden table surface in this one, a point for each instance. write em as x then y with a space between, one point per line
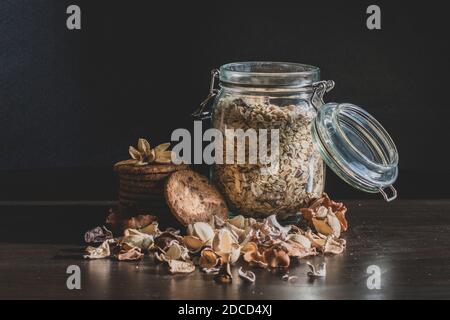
408 240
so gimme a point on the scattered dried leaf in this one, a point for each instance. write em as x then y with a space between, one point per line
321 271
176 267
97 235
247 275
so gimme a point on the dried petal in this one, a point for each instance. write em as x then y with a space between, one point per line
321 271
334 223
129 254
301 239
134 238
247 275
273 222
97 235
152 229
223 242
208 259
294 249
340 214
103 251
176 252
163 157
144 147
238 222
249 247
321 212
307 214
165 240
322 227
135 154
193 244
162 147
235 253
276 258
176 267
203 231
334 246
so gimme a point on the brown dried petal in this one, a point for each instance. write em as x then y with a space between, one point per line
308 215
340 214
316 203
193 244
316 241
276 258
322 227
208 259
130 254
249 247
238 222
255 258
165 239
152 229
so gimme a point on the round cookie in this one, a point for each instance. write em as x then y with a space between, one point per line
126 168
191 198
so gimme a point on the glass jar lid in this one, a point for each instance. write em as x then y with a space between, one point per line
356 147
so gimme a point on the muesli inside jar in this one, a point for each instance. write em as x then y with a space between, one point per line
276 97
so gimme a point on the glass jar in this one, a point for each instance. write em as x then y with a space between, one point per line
280 106
270 96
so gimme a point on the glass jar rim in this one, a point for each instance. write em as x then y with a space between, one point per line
268 74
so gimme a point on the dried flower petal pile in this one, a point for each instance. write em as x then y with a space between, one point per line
216 246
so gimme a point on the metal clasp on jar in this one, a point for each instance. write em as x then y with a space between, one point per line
320 88
203 113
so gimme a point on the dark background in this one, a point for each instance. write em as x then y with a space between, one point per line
71 102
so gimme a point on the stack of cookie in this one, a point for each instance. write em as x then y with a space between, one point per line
141 187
